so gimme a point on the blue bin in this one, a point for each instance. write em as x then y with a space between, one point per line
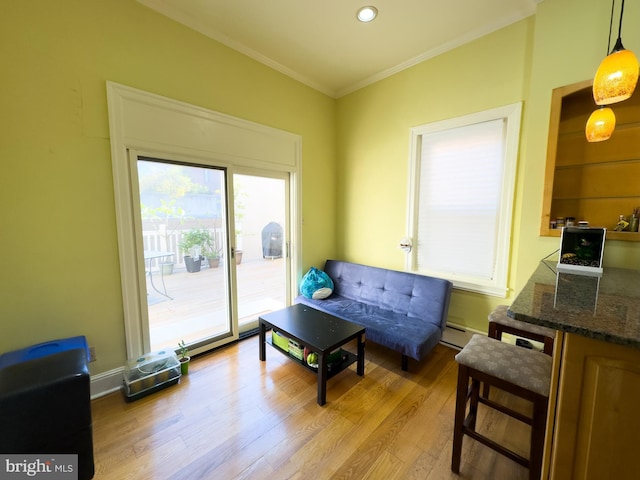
44 349
45 402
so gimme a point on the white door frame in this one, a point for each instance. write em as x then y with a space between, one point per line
143 123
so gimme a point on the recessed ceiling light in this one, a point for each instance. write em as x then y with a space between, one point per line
367 14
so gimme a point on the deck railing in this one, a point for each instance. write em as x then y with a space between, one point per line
155 240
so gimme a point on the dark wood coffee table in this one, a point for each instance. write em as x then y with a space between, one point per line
319 332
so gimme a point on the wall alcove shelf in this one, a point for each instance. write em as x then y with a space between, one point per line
596 182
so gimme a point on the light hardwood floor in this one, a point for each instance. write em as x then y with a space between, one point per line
234 417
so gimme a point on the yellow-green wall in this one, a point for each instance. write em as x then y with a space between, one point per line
563 43
58 242
570 41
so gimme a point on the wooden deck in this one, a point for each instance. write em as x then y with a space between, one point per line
197 307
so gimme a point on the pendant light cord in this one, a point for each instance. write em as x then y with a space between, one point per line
613 6
620 24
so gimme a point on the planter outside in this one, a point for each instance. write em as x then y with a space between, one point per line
192 264
166 268
238 257
184 365
214 262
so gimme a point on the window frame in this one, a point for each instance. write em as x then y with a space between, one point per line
498 284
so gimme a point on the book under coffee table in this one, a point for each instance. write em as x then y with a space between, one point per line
321 333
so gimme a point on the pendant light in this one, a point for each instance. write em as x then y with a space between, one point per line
617 75
600 125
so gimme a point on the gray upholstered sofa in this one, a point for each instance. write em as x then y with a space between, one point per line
403 311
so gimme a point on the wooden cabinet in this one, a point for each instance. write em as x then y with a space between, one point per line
595 182
596 431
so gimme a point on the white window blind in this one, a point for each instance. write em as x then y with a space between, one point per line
463 176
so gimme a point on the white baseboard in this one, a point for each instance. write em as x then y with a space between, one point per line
454 335
106 382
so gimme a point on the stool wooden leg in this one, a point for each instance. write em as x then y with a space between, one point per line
538 425
470 421
494 332
461 408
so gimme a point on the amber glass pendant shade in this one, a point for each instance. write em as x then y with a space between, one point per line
600 125
616 77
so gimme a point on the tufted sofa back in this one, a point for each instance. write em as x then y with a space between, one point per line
404 293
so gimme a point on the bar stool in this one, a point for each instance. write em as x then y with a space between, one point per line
500 322
519 371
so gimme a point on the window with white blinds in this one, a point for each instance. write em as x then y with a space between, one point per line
462 184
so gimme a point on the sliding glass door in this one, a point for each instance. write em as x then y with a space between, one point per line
201 284
184 233
200 152
260 206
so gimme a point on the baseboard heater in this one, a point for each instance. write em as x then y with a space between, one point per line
455 336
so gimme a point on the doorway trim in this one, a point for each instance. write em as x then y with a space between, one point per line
142 122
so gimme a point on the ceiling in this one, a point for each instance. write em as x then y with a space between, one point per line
321 44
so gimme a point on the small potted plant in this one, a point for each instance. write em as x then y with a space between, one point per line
193 244
213 258
184 357
211 249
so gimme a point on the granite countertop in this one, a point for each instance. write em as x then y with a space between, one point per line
605 308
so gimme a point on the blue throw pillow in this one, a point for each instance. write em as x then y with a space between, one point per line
316 284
